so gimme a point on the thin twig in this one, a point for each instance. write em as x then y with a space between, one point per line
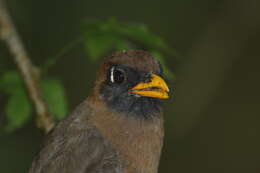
27 70
53 60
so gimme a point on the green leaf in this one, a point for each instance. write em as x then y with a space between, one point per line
54 94
18 109
97 45
10 81
141 34
101 37
121 44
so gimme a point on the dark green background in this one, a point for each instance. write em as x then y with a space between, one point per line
212 123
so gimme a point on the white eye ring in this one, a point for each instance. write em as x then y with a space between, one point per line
112 75
116 75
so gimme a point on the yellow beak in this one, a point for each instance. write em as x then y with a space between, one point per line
156 88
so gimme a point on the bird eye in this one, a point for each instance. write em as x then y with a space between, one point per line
117 75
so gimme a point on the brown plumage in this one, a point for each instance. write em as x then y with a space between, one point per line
118 129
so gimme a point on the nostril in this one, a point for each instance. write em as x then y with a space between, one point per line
147 77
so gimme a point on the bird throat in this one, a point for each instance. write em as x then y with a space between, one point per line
130 105
138 140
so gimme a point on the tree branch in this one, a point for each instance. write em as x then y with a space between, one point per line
27 70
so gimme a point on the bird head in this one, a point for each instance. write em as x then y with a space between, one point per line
131 82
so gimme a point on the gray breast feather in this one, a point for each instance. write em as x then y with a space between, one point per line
74 146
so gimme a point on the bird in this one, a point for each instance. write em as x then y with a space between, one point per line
118 128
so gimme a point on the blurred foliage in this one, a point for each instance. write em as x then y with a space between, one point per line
18 108
100 37
54 94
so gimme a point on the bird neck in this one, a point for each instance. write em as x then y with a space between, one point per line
139 141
